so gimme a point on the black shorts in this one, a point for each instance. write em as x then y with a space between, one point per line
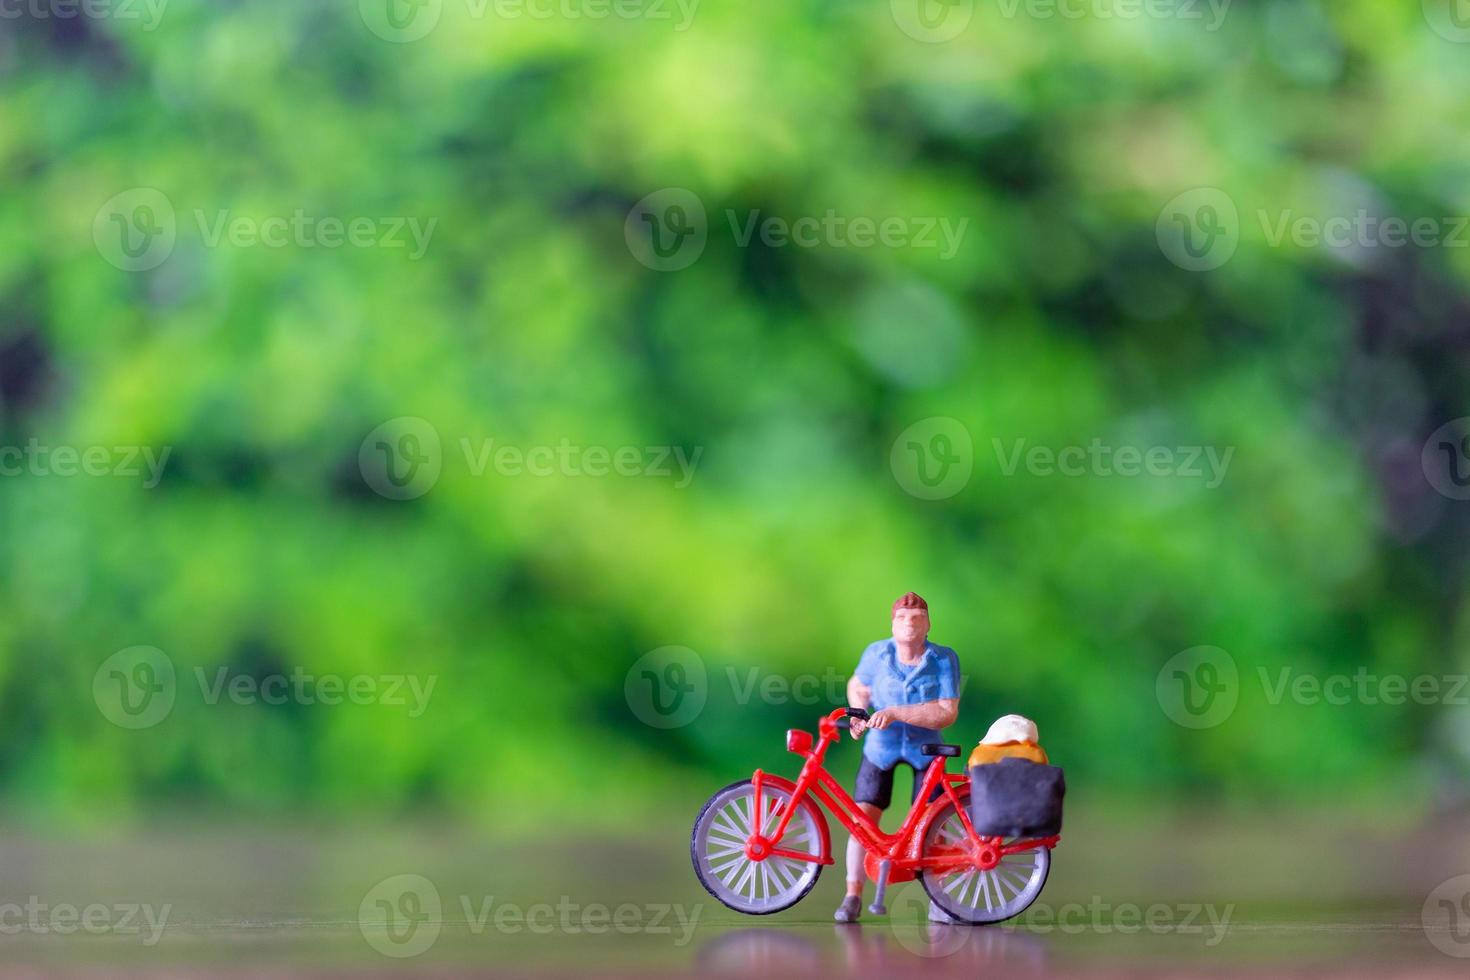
875 785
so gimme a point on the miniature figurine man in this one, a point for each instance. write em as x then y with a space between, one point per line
912 688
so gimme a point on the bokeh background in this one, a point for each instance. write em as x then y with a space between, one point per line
535 151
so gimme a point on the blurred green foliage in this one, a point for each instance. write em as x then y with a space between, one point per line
528 321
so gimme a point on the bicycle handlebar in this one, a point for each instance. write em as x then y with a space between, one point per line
849 713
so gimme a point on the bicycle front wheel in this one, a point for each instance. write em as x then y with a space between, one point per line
717 848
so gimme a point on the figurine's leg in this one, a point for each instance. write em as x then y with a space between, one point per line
874 793
856 873
852 904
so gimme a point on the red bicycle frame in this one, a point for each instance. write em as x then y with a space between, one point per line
903 850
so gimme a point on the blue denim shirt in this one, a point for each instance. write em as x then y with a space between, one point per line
936 676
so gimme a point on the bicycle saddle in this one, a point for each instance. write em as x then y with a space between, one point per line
941 748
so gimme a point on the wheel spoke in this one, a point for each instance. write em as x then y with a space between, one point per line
963 883
745 878
724 836
727 871
966 899
1019 883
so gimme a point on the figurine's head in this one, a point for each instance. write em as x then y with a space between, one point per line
911 618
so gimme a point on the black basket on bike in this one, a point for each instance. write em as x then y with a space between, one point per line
1016 798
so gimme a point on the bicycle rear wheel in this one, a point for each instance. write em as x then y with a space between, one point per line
976 896
717 848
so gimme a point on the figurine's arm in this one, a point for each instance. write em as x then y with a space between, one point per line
931 714
859 695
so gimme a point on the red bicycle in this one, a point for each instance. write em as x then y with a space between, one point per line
759 845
